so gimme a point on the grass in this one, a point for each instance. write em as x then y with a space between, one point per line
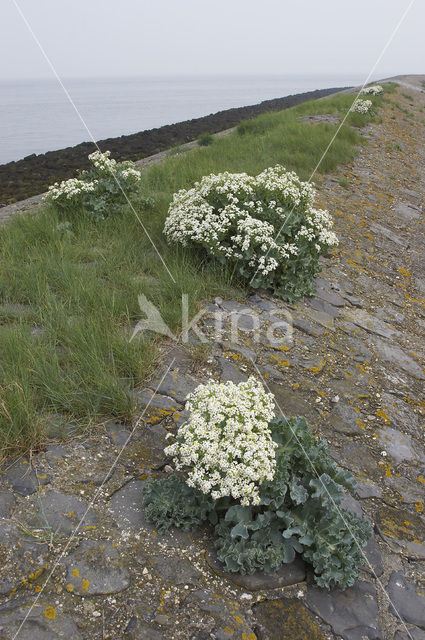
69 292
205 139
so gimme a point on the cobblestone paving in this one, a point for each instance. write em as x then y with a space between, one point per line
353 365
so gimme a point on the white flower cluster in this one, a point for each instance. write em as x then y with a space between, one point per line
374 90
237 216
70 188
227 444
105 170
102 161
361 106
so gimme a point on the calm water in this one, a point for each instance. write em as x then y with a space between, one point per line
36 116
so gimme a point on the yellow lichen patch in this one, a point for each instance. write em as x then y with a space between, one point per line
76 573
35 574
69 587
361 423
404 272
421 479
381 414
317 368
284 363
387 468
85 584
248 636
49 613
419 506
238 620
229 630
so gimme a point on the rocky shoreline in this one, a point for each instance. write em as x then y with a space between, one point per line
33 174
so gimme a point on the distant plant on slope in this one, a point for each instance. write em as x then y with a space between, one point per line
374 90
265 225
267 485
107 183
362 106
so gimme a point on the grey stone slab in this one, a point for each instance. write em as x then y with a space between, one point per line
410 491
229 372
288 574
331 297
175 385
56 451
240 352
355 457
291 402
155 400
62 512
233 306
389 234
414 634
399 412
310 328
23 477
370 323
20 554
138 629
406 213
322 318
95 568
402 530
398 445
408 599
175 570
321 305
42 622
127 509
7 502
117 433
368 489
352 614
373 555
344 419
352 347
395 355
263 303
352 505
285 619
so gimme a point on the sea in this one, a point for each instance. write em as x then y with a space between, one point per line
38 116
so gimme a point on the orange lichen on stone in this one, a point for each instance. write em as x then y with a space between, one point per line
381 414
49 613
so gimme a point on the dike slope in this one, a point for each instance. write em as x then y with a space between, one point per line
355 369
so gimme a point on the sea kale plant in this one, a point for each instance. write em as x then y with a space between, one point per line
362 106
264 225
267 485
373 90
97 190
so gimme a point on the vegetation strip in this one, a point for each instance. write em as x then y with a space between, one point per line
70 286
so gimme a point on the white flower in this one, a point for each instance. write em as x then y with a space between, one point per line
239 217
226 443
361 106
374 90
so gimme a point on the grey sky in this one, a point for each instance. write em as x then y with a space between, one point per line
168 37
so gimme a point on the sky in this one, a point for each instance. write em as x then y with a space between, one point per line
124 38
